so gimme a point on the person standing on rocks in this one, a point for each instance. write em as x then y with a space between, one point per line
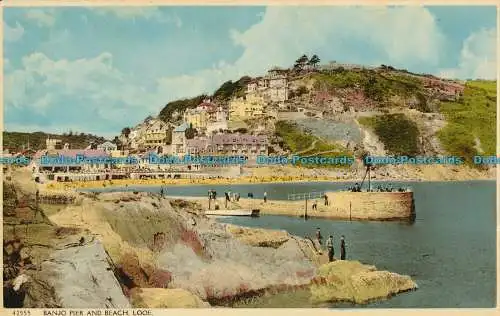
329 247
265 197
342 248
319 237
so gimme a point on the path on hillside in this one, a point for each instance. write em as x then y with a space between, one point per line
311 147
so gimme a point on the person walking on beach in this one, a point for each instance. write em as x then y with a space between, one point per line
161 192
265 197
210 194
342 248
326 199
319 237
329 247
315 205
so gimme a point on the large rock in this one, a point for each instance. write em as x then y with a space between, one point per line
82 277
231 268
166 298
352 281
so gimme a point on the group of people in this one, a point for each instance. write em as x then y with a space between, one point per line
315 203
380 188
330 245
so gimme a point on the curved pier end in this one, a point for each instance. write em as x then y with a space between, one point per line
381 206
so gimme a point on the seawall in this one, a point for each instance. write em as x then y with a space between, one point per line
377 206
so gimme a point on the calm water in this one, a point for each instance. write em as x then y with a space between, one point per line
450 250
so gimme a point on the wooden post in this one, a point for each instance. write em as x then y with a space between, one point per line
350 211
369 183
305 210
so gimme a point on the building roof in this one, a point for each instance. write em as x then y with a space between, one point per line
182 128
243 139
107 144
72 153
200 143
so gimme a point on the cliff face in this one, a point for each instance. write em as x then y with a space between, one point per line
149 236
46 265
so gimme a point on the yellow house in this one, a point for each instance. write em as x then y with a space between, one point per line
250 106
196 117
156 134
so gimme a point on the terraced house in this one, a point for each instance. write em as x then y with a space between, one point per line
229 144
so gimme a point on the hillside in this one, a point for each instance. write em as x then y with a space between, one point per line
351 109
15 141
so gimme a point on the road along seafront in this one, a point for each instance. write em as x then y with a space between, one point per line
376 206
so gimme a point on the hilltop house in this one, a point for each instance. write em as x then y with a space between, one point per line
207 115
249 106
278 85
273 87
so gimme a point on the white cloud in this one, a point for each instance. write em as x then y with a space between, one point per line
42 17
13 34
148 13
403 36
92 91
478 58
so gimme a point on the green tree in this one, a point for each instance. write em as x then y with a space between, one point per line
314 61
301 62
126 131
190 132
301 90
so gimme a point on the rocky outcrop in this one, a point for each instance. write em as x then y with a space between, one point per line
82 277
166 298
351 281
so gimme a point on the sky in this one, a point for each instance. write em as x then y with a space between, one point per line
99 69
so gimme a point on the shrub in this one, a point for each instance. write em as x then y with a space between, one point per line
398 133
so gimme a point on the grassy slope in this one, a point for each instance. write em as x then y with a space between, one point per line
377 86
397 132
297 140
474 116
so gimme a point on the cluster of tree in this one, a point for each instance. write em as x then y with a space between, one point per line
229 89
304 61
17 141
180 106
299 92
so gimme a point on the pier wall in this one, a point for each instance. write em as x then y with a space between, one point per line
380 206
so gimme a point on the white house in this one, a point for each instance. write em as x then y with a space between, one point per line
107 146
179 139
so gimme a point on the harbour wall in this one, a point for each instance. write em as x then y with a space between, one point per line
377 206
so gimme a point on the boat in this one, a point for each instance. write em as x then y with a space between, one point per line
250 213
